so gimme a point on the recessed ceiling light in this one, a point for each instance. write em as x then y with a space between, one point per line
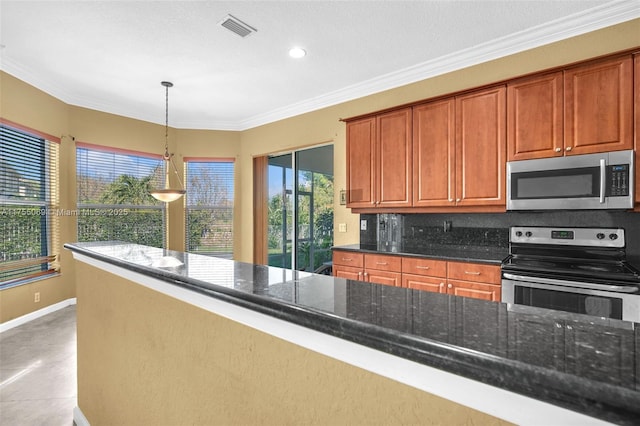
297 52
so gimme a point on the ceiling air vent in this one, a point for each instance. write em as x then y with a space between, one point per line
235 25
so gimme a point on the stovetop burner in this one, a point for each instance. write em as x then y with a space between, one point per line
593 254
572 267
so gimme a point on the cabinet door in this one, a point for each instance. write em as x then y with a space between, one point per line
348 272
420 282
534 118
393 159
434 154
481 148
536 340
361 162
636 95
481 326
393 279
394 308
474 290
600 353
433 316
599 107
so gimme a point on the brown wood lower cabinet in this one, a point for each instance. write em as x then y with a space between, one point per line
474 280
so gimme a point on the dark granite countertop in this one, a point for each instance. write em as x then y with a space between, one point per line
582 363
462 253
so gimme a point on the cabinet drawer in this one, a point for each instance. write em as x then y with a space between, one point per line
475 272
383 262
428 267
348 258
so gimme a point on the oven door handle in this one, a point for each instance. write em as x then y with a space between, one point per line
603 179
553 281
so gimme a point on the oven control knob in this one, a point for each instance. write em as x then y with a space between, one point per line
600 235
528 234
613 236
518 233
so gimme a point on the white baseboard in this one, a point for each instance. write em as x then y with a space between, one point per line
8 325
78 417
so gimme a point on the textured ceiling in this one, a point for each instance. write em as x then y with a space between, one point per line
112 55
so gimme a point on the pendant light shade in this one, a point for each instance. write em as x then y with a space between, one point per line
168 194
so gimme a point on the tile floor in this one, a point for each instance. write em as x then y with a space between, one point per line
38 371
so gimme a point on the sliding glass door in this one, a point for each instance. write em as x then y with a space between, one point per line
300 208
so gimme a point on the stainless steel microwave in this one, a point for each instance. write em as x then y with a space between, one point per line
589 181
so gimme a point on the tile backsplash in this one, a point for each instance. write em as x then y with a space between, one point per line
491 230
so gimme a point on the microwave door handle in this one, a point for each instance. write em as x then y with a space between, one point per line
603 179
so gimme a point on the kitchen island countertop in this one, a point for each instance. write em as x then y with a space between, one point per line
584 364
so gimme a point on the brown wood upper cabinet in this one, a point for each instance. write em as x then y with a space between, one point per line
534 117
459 150
481 148
379 168
581 110
434 151
636 95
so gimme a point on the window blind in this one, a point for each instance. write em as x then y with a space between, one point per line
29 232
114 200
209 206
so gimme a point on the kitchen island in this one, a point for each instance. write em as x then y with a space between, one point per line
170 337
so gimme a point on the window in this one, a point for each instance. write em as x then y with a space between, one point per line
114 203
28 206
209 206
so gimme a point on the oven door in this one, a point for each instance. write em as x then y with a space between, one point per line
571 297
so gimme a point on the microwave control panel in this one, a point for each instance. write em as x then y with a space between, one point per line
618 180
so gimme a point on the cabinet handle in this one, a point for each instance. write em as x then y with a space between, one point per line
450 285
568 148
569 327
347 259
441 285
359 274
366 274
558 325
381 263
471 273
558 149
451 200
422 267
457 200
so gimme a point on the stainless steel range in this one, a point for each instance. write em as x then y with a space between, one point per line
581 270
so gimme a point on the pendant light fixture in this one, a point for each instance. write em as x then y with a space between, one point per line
168 194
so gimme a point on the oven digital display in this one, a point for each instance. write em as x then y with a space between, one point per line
562 235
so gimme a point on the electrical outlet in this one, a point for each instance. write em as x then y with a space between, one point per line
342 227
36 297
363 224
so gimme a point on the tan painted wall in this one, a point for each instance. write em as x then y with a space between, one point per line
31 107
323 125
145 358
